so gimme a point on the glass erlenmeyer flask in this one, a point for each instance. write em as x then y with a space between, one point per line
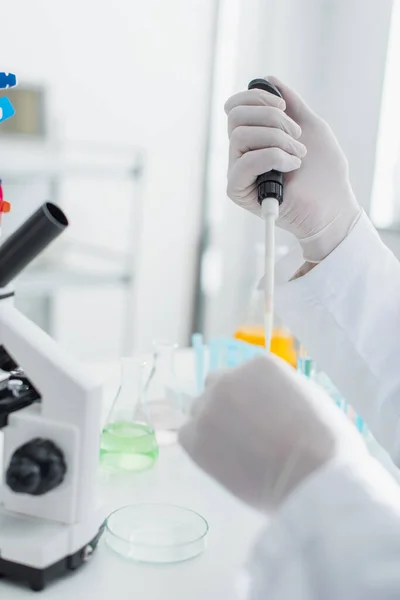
162 396
128 442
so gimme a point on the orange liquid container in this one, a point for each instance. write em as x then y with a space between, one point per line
282 343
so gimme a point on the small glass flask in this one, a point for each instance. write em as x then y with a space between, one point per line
128 442
162 397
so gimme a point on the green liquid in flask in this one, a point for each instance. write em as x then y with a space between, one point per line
128 446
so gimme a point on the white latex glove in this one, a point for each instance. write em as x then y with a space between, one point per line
261 429
319 206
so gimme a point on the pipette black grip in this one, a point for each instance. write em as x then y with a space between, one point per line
270 184
29 240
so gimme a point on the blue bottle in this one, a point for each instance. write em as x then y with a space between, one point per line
6 109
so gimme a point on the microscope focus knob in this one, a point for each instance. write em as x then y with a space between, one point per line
36 468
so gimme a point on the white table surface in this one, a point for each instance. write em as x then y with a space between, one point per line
174 479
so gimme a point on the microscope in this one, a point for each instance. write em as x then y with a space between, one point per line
50 417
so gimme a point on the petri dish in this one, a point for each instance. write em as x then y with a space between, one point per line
156 533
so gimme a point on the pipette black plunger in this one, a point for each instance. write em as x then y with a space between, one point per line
270 184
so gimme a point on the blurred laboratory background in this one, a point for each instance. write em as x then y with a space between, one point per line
119 119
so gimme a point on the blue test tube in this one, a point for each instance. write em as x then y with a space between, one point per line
305 364
214 348
359 424
233 353
198 347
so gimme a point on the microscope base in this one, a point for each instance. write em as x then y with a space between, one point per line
37 579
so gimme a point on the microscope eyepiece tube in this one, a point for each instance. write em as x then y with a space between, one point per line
33 236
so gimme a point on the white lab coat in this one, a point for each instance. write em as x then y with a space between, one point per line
338 536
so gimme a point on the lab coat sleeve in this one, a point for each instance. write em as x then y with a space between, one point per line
346 312
336 538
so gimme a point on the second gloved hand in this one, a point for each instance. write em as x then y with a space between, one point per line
266 133
261 429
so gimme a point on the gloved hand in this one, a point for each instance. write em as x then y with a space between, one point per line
261 429
319 206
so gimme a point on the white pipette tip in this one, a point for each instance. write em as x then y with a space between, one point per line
269 212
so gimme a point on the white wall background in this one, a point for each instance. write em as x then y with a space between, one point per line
134 72
334 53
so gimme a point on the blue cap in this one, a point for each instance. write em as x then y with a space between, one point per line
7 80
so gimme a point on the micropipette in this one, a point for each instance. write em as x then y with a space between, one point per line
270 196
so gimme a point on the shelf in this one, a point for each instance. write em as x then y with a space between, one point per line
39 282
84 266
47 161
96 171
